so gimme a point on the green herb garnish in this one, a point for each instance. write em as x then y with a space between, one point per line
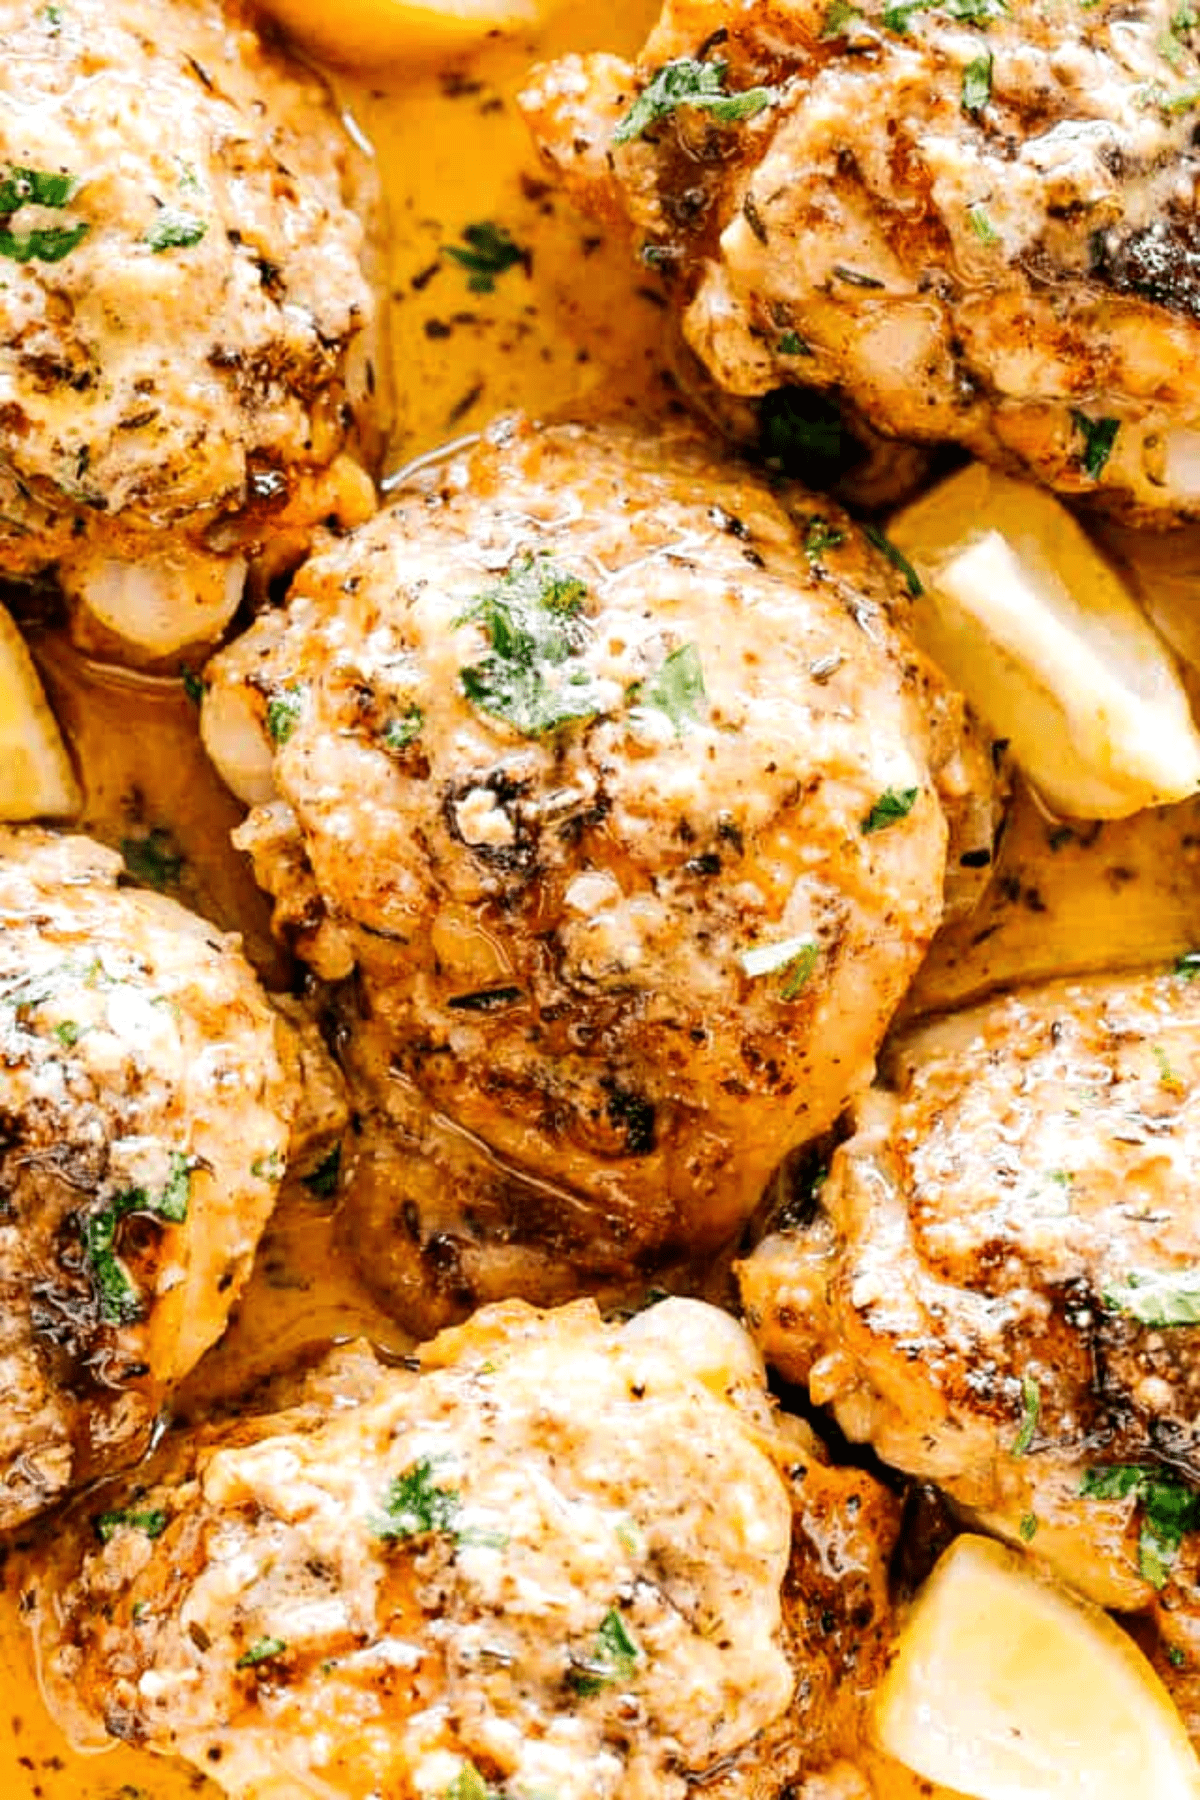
1158 1299
153 859
118 1299
981 225
404 730
486 251
1099 436
1188 965
1028 1527
792 344
283 713
820 536
152 1522
898 13
896 557
892 805
1031 1413
977 83
261 1651
55 189
469 1784
67 1034
686 82
795 957
1170 1509
174 231
534 677
677 689
415 1506
838 17
613 1659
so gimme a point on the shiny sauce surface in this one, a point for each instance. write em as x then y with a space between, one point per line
574 322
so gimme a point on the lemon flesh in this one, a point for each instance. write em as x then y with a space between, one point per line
36 778
1006 1687
1038 630
372 33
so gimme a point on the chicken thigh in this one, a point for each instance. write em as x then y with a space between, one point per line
561 1557
183 312
999 1287
629 805
975 221
148 1101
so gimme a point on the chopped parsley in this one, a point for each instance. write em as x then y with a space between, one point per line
54 189
820 536
323 1182
1158 1299
486 251
792 344
1168 1077
152 1521
892 805
193 685
405 729
283 713
1176 1657
174 231
1028 1527
1170 1509
839 16
119 1301
469 1784
1099 436
534 677
686 82
1031 1413
977 83
898 13
614 1657
677 689
1188 965
800 433
981 225
153 859
796 957
261 1651
67 1033
415 1506
896 557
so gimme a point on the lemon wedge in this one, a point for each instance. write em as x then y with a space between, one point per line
1028 618
368 33
1006 1687
36 778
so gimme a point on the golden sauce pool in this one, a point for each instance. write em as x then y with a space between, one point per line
572 321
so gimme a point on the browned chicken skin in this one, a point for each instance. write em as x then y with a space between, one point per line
1000 1284
150 1099
565 1557
631 814
184 317
977 223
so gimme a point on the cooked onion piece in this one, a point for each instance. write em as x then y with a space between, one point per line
1037 628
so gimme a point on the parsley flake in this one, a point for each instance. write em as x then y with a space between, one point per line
792 344
54 189
1028 1527
1188 965
677 689
469 1784
174 231
486 251
415 1506
686 82
1031 1413
153 859
283 713
614 1657
892 805
897 14
977 83
795 957
534 677
404 730
1099 436
820 536
118 1299
896 557
1170 1509
152 1521
261 1651
839 17
981 225
1161 1300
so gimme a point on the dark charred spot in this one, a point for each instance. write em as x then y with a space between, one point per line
634 1115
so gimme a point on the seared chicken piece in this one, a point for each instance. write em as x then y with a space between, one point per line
563 1558
183 313
631 813
148 1094
1001 1285
977 222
